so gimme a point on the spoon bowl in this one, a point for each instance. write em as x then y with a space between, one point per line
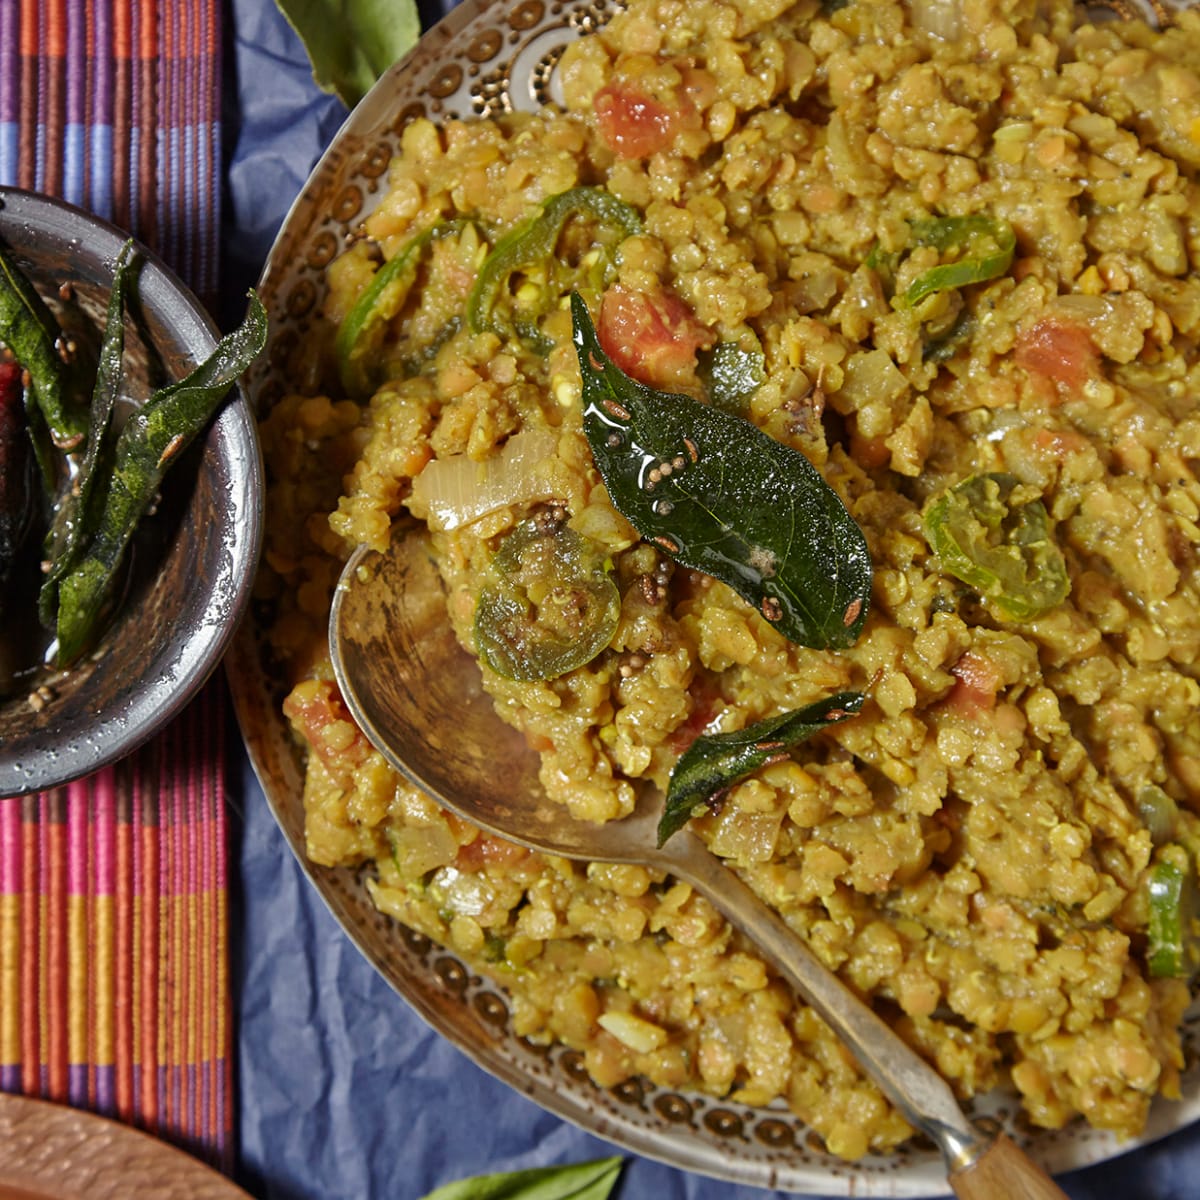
418 697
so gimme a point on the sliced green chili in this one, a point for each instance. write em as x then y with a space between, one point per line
552 607
983 247
939 349
715 762
30 331
884 263
77 516
1173 926
151 439
1159 813
1004 551
714 492
360 333
533 243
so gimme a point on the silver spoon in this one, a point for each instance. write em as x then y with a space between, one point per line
417 695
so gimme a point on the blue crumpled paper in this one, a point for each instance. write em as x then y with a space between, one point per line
343 1092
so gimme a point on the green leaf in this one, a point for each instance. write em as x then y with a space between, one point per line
714 492
351 43
29 330
77 516
580 1181
716 761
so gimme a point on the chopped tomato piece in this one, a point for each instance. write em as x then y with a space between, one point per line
869 452
703 712
978 681
632 124
316 710
486 851
1059 443
652 337
1060 352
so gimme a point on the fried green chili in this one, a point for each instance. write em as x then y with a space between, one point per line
714 492
552 606
715 762
30 331
1004 550
77 516
533 243
149 442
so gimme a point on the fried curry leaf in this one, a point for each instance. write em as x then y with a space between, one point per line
577 1181
350 43
30 331
150 440
1003 550
76 514
17 493
714 762
717 494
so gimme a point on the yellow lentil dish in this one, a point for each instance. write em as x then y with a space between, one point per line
949 251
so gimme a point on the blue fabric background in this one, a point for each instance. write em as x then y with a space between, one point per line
343 1092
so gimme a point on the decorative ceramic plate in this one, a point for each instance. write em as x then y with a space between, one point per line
486 58
51 1152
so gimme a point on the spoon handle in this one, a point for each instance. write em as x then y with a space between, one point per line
981 1168
1004 1172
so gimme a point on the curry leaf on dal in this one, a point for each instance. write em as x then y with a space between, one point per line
717 494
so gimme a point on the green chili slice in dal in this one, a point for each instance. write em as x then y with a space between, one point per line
361 332
533 244
1004 550
553 605
1173 926
982 246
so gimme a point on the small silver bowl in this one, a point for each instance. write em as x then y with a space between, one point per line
193 560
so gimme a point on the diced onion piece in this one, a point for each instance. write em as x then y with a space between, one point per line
636 1032
942 18
455 491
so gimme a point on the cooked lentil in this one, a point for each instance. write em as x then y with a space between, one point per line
971 851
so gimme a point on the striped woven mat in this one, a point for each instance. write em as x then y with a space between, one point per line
114 990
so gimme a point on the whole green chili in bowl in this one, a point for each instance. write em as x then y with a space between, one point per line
141 490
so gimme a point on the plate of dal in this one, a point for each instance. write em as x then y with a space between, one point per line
948 254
